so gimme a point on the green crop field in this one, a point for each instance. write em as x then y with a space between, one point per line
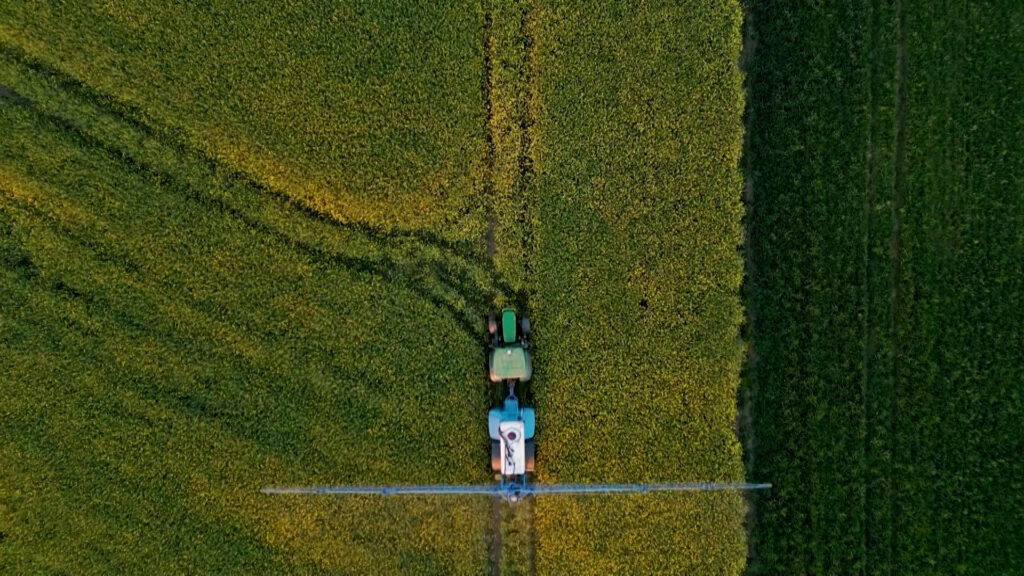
886 250
370 112
249 246
246 245
174 337
637 280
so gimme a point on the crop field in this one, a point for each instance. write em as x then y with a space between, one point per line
170 344
244 247
886 239
370 112
182 325
637 282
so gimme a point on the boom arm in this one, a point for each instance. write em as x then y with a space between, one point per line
642 488
389 490
514 491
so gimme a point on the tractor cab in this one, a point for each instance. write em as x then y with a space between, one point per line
509 358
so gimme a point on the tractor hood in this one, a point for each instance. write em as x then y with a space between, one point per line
510 363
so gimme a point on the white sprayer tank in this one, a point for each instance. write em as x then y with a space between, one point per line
513 448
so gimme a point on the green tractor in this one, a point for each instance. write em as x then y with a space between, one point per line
509 358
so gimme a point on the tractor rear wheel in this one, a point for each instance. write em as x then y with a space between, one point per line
495 456
531 456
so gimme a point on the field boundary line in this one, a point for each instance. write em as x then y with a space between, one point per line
746 393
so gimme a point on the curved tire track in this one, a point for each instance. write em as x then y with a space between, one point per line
455 265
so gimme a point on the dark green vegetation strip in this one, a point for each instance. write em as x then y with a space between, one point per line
173 338
637 276
887 236
368 112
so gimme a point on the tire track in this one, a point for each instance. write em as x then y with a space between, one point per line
455 256
489 195
527 162
509 99
454 276
175 138
384 268
494 554
531 536
526 192
489 129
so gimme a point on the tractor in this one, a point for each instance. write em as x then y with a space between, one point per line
509 359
